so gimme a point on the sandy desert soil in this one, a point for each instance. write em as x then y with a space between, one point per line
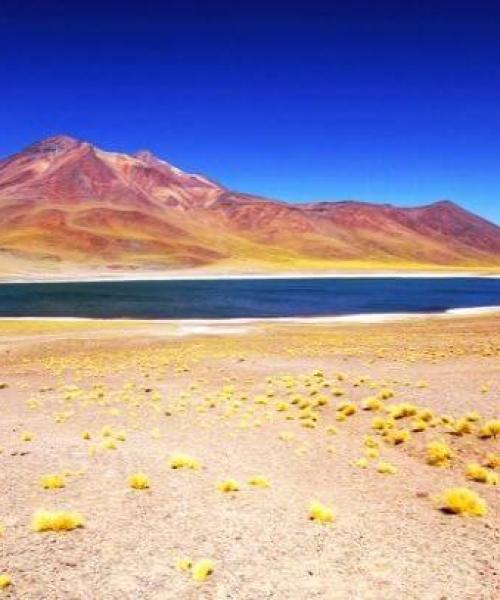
265 401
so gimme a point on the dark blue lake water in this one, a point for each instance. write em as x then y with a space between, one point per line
245 298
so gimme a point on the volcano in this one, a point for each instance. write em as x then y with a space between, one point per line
67 206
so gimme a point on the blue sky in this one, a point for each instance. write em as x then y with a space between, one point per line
382 101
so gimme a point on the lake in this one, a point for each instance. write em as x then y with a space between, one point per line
246 298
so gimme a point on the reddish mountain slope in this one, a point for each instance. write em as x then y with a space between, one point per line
65 204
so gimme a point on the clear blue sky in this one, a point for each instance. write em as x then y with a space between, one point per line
385 101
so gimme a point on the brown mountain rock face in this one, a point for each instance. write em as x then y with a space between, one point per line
67 204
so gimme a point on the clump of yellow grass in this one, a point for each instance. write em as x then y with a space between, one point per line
58 520
438 453
386 468
183 564
53 481
476 472
320 512
228 485
462 501
490 429
202 569
139 481
259 481
178 460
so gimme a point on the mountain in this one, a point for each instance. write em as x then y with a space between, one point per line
67 206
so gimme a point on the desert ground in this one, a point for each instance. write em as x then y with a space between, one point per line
372 421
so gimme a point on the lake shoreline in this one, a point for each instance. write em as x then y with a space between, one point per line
151 276
212 326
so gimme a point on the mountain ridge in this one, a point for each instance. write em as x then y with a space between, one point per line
67 205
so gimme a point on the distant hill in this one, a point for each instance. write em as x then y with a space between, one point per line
67 206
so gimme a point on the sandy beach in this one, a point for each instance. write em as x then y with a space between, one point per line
98 401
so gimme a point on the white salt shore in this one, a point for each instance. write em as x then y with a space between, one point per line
240 326
155 276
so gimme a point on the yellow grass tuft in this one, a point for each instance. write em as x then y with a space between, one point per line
282 406
370 442
400 411
183 564
418 425
202 569
347 408
319 512
473 416
397 436
478 473
378 423
462 501
381 424
372 452
53 482
362 463
371 403
438 454
490 429
178 460
492 460
461 426
259 481
321 401
109 444
386 468
26 436
228 485
5 580
138 481
106 431
425 414
59 520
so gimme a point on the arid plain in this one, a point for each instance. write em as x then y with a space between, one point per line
312 461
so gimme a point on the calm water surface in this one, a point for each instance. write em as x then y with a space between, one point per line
245 298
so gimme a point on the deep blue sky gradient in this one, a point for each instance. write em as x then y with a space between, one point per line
385 101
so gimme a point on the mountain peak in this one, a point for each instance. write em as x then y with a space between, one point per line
54 144
444 203
145 155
